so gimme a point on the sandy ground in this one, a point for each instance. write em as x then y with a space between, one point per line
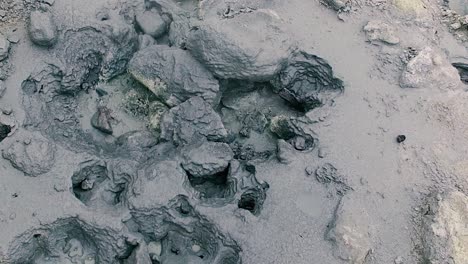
357 135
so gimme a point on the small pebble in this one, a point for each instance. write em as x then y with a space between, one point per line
2 88
89 260
49 2
400 138
155 248
322 153
13 38
196 248
455 25
7 110
399 260
100 92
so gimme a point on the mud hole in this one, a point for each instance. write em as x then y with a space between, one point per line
163 131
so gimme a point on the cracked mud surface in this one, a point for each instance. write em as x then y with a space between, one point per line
173 132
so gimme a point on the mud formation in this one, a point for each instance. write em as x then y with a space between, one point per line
34 156
104 183
69 240
228 132
173 75
179 234
444 228
197 146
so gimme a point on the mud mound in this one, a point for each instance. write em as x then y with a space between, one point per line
183 235
69 240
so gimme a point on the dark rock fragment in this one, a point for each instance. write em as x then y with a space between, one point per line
400 138
100 92
101 120
307 82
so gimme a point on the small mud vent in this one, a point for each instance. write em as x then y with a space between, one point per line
179 234
462 70
4 131
208 169
235 183
216 178
69 240
103 183
217 185
252 199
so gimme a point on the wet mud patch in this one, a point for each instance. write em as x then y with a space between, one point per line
68 240
179 234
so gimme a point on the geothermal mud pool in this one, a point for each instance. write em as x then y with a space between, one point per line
233 131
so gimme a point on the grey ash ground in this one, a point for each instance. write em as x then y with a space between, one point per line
228 132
